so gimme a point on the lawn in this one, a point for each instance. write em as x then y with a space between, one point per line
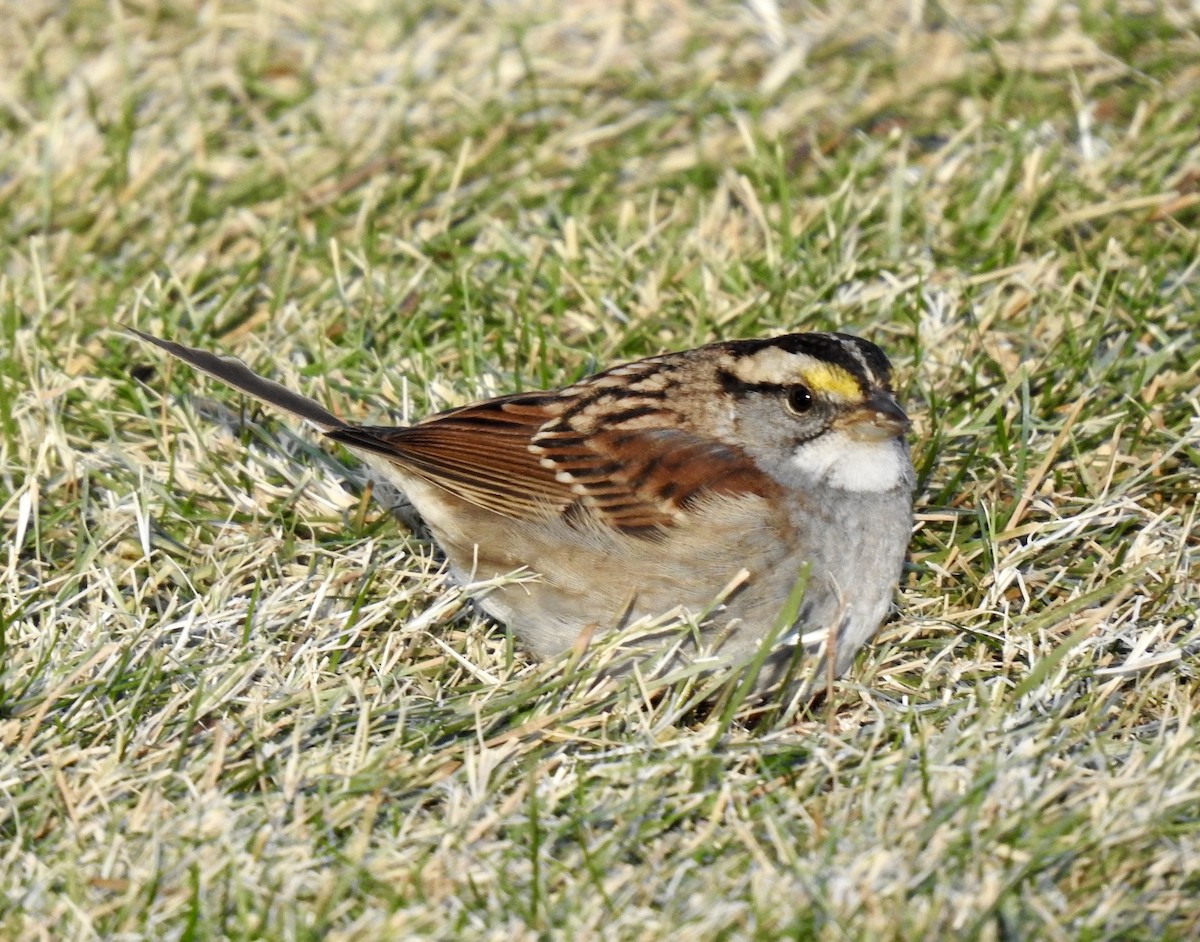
239 698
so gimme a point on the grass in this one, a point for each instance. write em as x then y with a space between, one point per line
239 700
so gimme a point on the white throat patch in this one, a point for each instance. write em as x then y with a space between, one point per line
840 461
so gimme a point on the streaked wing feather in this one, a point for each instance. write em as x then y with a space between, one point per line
511 456
642 479
516 456
479 453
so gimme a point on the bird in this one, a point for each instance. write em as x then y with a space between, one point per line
762 487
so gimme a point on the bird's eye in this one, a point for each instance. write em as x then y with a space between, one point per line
799 399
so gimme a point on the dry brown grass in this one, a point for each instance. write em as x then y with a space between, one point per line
238 700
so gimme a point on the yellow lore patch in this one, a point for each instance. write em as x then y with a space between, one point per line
831 381
772 365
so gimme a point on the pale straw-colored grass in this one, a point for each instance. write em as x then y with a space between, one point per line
238 697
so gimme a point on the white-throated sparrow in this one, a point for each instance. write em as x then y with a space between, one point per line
654 484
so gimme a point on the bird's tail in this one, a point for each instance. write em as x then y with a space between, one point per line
235 373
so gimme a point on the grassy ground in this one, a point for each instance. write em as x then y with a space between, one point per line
238 699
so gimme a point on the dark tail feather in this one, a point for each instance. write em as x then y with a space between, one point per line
235 373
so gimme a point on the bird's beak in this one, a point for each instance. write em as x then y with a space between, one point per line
877 419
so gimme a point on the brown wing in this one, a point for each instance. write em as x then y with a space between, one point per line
479 452
512 456
640 480
533 454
